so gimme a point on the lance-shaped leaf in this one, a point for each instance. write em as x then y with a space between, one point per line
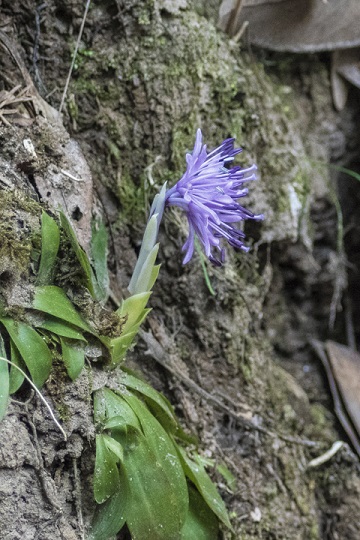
109 406
147 274
60 328
118 346
152 511
16 377
4 380
133 307
106 473
80 254
158 204
148 243
148 392
114 446
73 356
201 523
158 404
109 518
155 480
32 348
53 300
99 251
195 471
50 241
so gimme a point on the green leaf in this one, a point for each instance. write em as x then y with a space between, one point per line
146 274
99 252
155 480
114 446
108 405
16 377
158 204
80 253
99 408
147 246
60 328
106 473
52 300
117 423
158 404
148 392
119 346
73 356
32 348
154 275
133 307
4 381
201 523
50 241
109 518
153 507
227 475
195 471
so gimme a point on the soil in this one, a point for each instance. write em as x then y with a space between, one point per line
147 74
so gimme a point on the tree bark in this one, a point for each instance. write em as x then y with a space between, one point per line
235 365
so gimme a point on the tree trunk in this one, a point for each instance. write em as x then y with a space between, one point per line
147 75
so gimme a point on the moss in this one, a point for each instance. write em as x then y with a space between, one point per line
58 380
107 323
131 198
246 371
68 272
63 411
166 84
82 84
320 427
20 240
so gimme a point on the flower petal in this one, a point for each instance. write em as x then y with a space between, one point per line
208 192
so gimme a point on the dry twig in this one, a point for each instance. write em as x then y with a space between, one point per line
158 353
11 99
74 56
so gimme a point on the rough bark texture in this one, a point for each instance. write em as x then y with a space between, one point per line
148 73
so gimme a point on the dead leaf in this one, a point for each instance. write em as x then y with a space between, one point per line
12 109
294 25
339 87
345 68
342 366
348 65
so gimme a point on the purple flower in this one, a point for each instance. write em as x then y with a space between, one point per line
208 192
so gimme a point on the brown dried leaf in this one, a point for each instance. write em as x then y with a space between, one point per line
295 26
342 366
345 365
345 68
348 65
339 87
